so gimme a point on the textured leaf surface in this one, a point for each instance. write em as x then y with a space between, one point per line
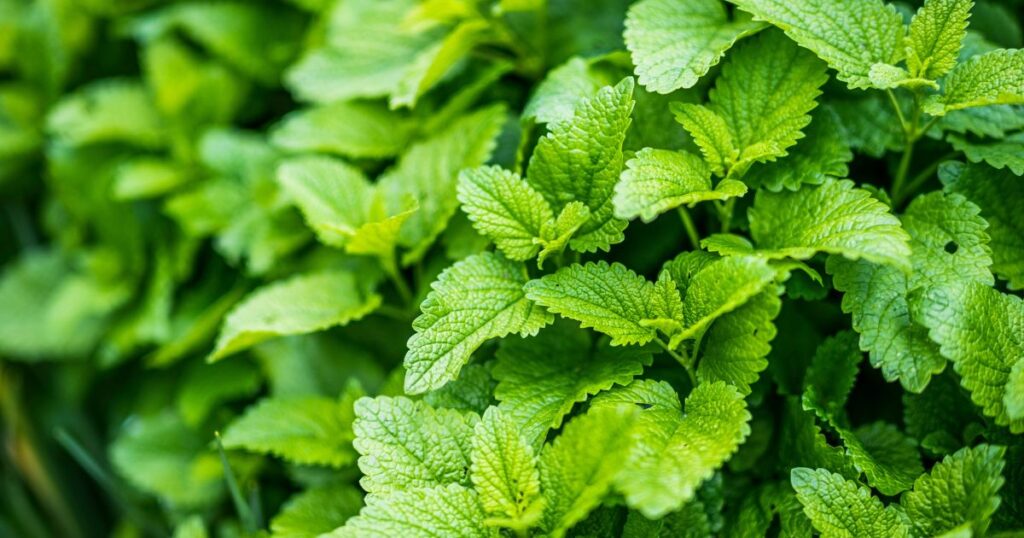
676 452
982 331
474 300
540 379
451 510
299 305
962 488
310 431
834 217
763 97
656 180
675 42
504 468
832 374
580 160
505 208
318 510
720 288
408 445
842 508
577 469
851 35
821 154
999 154
935 36
610 298
427 173
736 344
888 458
877 296
992 78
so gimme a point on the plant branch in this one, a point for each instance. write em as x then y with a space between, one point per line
683 360
691 229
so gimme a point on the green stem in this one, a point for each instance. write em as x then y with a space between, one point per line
726 215
899 111
681 359
691 229
391 268
245 514
910 136
114 489
921 178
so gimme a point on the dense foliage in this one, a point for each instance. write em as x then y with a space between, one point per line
482 268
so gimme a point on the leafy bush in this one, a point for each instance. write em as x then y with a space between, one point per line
357 268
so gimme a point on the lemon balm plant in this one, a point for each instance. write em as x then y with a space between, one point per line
437 268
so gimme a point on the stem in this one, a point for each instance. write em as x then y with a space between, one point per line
245 514
107 482
391 268
910 135
896 107
682 360
726 215
922 177
691 229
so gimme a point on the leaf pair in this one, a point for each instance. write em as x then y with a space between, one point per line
960 493
573 172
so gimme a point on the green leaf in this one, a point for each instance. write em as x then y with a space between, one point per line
205 387
711 134
406 445
736 344
887 457
540 379
348 128
821 154
318 510
831 376
935 37
301 304
675 42
309 431
566 86
428 174
979 329
948 244
721 287
159 454
505 208
432 64
192 527
451 510
368 52
851 35
675 452
610 298
962 488
474 300
999 154
580 160
992 78
471 391
578 468
657 180
116 110
842 508
1014 398
504 471
335 198
764 96
939 417
835 218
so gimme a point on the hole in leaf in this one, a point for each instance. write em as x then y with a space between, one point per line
951 247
